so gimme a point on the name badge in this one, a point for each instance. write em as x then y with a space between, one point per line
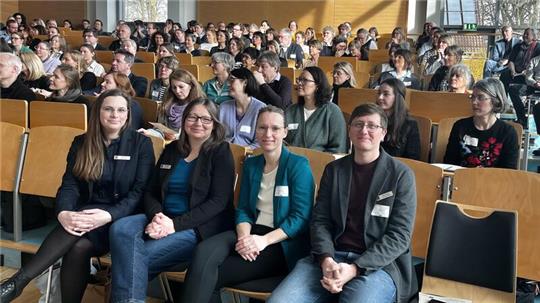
470 140
165 166
155 94
385 195
292 126
293 56
245 129
282 191
381 211
407 83
124 158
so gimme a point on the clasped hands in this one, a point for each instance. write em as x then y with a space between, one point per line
335 275
160 227
250 246
78 223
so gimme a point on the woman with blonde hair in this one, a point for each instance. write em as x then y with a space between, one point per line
183 88
32 70
75 59
86 215
343 76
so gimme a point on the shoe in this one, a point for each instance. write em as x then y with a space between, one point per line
11 288
536 152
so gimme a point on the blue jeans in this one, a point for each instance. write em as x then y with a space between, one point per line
303 284
138 259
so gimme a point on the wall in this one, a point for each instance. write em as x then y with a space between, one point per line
385 14
60 10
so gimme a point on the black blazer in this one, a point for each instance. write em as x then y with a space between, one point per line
139 84
130 177
210 190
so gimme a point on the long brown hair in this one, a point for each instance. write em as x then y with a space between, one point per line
123 83
188 78
90 157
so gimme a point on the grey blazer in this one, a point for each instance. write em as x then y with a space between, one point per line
387 237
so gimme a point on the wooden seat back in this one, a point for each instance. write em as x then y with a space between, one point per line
239 155
150 109
443 132
350 98
45 113
184 58
14 111
201 60
147 70
326 63
205 73
45 161
511 190
104 56
147 57
317 160
439 105
424 129
10 144
428 190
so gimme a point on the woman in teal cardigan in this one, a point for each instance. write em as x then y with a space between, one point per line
315 122
272 219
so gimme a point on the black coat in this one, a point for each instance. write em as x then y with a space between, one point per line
211 189
130 177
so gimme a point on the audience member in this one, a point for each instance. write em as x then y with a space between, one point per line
217 88
272 219
84 215
483 140
11 85
500 52
315 122
343 76
274 88
159 86
188 199
122 63
353 255
239 116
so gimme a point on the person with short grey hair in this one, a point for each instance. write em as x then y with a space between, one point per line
274 88
483 140
217 88
10 84
459 79
289 49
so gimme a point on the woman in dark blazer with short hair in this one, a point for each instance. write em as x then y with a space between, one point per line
189 199
106 174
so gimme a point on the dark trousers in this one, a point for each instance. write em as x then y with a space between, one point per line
75 253
516 91
216 264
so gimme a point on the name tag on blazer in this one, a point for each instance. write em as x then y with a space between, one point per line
245 129
122 158
381 211
165 166
155 94
282 191
292 126
407 83
293 56
385 195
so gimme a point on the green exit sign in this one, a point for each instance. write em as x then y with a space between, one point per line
470 27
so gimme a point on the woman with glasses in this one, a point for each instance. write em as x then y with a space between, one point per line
402 137
188 199
217 88
240 114
272 218
483 140
315 122
97 188
159 86
18 43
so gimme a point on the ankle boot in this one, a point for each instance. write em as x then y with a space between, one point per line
12 287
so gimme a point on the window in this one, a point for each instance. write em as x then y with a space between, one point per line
458 12
145 10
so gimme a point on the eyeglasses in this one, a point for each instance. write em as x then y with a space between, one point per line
370 127
303 81
111 110
264 129
195 118
479 98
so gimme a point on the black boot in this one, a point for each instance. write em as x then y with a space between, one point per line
12 287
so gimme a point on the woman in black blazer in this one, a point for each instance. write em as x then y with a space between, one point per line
107 171
188 199
402 137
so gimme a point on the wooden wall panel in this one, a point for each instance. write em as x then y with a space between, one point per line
385 14
59 10
7 9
